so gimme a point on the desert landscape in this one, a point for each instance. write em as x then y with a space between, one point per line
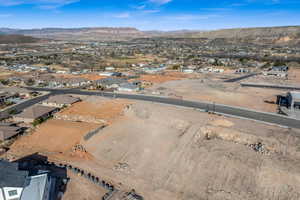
149 100
166 152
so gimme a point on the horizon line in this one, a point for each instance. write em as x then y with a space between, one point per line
158 30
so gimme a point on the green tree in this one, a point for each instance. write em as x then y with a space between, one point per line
176 67
30 82
4 82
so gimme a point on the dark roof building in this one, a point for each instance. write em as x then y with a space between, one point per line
110 82
26 184
35 112
61 100
7 132
10 176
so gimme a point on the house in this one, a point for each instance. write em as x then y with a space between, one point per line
4 96
12 181
17 91
38 188
56 83
9 130
293 99
109 83
116 74
128 87
77 82
60 101
106 73
242 70
279 71
61 72
280 74
289 104
63 82
44 80
280 68
16 184
153 70
109 68
35 113
188 71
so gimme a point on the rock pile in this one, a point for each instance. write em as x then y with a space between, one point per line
260 148
78 148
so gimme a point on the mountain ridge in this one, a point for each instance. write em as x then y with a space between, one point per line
270 34
16 39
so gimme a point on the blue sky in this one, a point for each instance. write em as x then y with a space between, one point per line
149 14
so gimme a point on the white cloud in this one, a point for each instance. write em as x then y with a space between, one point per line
151 11
123 15
140 7
192 17
160 2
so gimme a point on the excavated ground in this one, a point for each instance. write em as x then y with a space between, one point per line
173 153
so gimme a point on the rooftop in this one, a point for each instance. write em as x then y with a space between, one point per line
36 111
9 131
34 191
10 176
15 90
295 95
62 99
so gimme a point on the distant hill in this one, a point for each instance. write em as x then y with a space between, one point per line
16 39
84 34
276 35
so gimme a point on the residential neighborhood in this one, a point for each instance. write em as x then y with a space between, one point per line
167 100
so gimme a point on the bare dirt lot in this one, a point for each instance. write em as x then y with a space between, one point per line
81 189
58 137
91 77
95 109
168 76
219 92
52 137
294 76
211 87
172 153
169 153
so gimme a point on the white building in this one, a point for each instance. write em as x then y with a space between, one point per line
18 185
128 87
106 73
109 68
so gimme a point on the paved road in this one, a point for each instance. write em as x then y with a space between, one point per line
240 78
217 108
22 106
281 87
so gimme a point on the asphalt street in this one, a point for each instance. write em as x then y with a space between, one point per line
240 78
271 118
281 87
21 106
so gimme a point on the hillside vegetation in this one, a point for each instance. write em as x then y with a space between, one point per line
16 39
83 34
